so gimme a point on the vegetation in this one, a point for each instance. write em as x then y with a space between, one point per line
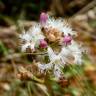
16 69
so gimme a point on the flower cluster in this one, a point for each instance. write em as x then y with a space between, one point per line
48 31
32 38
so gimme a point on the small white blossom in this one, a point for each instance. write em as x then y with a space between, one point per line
55 64
58 61
60 25
31 37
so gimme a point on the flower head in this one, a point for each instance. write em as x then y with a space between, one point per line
61 25
53 30
31 38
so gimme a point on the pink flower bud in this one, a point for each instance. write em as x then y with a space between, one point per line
67 39
43 43
43 18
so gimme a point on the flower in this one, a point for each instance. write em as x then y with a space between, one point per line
26 41
58 61
31 38
61 25
43 43
55 64
53 30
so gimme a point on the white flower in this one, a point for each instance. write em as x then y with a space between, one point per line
60 25
31 37
55 67
55 64
57 61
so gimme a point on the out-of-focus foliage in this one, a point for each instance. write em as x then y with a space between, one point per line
22 9
11 10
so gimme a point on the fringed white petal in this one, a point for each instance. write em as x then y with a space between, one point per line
31 37
43 67
68 30
36 33
74 47
51 54
76 52
27 45
57 71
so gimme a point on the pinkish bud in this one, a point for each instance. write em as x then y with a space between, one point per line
43 18
67 39
43 43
